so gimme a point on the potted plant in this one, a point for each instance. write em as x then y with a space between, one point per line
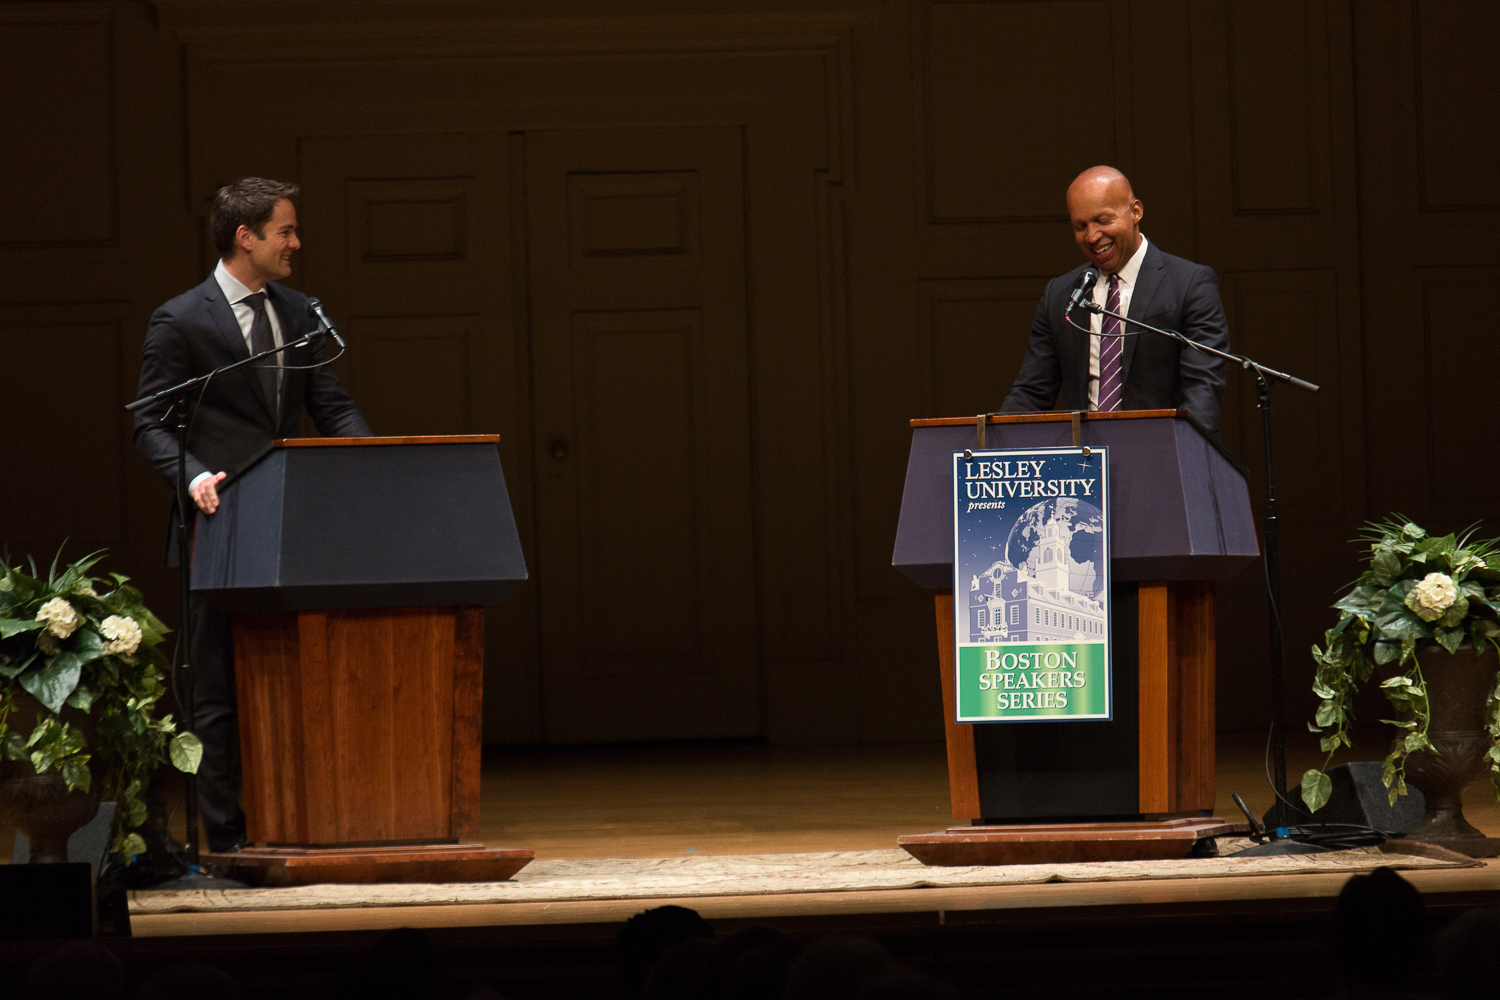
1423 615
80 677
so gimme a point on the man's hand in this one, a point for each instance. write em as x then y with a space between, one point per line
205 494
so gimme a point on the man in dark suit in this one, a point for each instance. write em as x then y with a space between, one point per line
1102 364
238 311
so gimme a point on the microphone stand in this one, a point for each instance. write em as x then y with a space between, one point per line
1271 532
178 413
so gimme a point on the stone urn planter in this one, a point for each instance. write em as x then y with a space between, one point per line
1423 617
1458 686
40 805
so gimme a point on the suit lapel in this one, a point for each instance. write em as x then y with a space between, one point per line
233 338
1147 281
225 324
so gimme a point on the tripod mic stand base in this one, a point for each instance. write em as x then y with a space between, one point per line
191 881
1279 847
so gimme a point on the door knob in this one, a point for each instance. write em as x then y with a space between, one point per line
559 449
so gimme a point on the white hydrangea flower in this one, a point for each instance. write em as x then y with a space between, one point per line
122 635
85 590
61 617
1434 595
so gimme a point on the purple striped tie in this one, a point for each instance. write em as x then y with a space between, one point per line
1110 346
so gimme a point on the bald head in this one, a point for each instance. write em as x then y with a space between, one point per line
1106 217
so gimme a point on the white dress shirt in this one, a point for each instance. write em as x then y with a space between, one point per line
1127 276
235 294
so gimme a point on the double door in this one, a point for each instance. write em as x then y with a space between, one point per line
583 292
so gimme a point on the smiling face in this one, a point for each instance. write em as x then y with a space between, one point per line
1106 217
267 255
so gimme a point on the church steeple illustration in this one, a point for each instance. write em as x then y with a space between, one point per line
1050 557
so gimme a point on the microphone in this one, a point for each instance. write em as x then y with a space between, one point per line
315 307
1083 289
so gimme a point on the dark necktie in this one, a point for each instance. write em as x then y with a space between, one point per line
1111 380
261 340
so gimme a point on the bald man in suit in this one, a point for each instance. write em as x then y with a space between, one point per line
239 310
1085 361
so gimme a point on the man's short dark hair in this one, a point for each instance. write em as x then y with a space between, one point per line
249 201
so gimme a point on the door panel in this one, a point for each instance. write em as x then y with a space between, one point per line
406 240
640 373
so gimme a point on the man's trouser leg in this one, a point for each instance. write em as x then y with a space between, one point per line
217 725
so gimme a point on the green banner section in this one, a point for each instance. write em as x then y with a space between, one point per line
1015 681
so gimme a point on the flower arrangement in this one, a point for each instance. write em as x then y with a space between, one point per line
1418 590
89 644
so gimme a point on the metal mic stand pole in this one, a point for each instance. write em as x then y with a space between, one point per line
185 691
1271 534
178 411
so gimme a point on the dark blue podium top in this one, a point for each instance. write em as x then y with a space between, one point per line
1180 506
362 523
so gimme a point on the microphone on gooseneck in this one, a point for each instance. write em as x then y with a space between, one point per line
315 307
1083 289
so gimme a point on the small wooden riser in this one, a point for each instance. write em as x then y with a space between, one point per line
276 867
1063 843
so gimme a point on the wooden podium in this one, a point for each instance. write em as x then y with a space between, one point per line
1142 784
356 569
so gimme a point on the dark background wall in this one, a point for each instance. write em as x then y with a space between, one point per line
698 263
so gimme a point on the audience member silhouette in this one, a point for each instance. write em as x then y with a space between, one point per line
900 983
78 970
190 981
1466 953
753 965
648 934
399 965
1379 935
836 968
678 970
716 976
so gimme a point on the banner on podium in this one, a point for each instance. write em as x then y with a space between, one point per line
1031 585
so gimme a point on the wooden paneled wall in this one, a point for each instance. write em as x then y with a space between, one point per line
895 169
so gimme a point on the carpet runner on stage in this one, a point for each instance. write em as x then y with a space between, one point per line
769 874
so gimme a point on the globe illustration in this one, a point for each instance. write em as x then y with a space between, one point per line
1081 525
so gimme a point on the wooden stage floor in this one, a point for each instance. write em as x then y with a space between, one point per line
662 801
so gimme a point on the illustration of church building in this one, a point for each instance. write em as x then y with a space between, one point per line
1034 602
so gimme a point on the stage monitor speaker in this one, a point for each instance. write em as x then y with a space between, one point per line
88 843
1359 798
46 901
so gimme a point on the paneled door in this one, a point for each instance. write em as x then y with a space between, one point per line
407 239
640 376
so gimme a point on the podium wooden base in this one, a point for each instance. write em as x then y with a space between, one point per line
1061 843
284 866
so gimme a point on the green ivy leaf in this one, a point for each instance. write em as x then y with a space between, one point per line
133 844
14 745
1327 714
88 646
82 698
1386 652
1316 789
12 668
1363 601
52 684
15 626
75 772
186 751
1450 638
1402 626
1386 565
